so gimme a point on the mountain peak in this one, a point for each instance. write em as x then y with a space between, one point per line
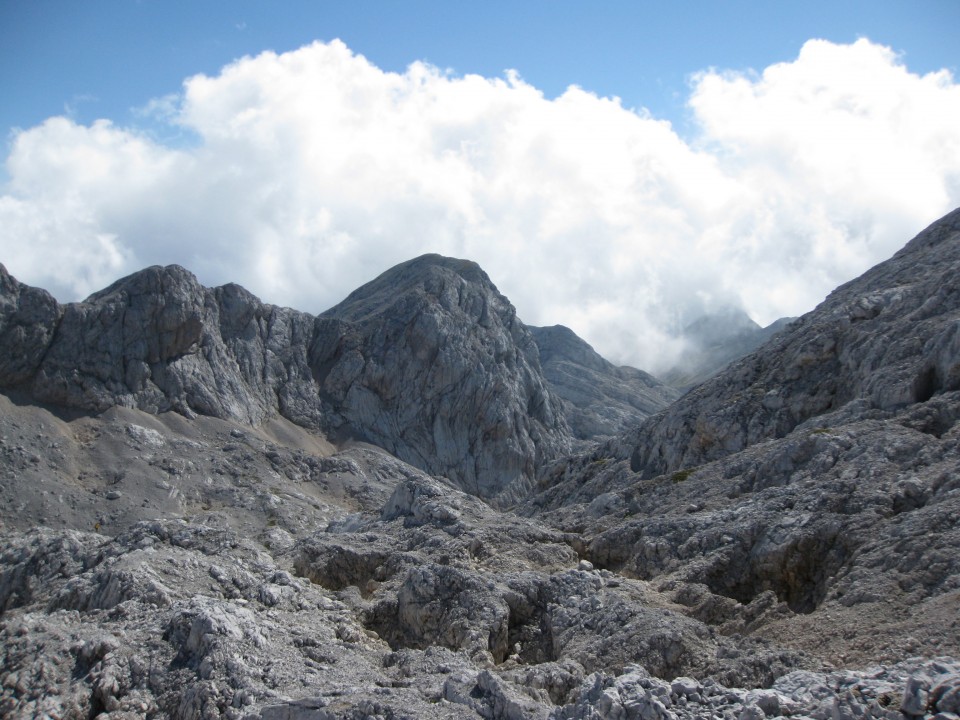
798 511
152 280
432 274
719 326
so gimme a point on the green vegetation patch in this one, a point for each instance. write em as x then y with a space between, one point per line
680 475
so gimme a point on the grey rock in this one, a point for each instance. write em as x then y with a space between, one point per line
251 567
915 696
826 526
872 693
685 686
877 344
945 694
438 369
428 361
28 321
491 697
507 591
600 398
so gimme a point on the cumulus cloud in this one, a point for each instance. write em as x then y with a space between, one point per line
312 171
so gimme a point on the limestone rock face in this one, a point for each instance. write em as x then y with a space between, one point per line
159 341
600 398
183 543
28 320
808 494
433 364
428 361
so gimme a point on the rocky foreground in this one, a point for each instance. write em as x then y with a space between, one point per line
216 508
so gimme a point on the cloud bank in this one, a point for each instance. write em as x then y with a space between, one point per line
313 171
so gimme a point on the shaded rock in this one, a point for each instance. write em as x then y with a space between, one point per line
714 341
247 567
437 368
601 399
28 320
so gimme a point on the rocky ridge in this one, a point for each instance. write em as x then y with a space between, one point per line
743 554
428 361
809 493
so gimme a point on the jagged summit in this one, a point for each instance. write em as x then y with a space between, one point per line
561 343
720 326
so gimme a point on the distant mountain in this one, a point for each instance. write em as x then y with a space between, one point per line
427 361
714 341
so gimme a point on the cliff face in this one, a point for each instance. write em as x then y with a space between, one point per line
428 361
432 363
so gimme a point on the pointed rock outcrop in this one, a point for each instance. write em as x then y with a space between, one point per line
431 362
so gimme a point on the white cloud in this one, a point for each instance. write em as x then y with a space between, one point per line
314 170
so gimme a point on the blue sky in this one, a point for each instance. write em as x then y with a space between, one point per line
757 154
102 59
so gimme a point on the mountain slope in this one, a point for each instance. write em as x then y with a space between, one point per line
879 343
810 492
600 398
739 554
